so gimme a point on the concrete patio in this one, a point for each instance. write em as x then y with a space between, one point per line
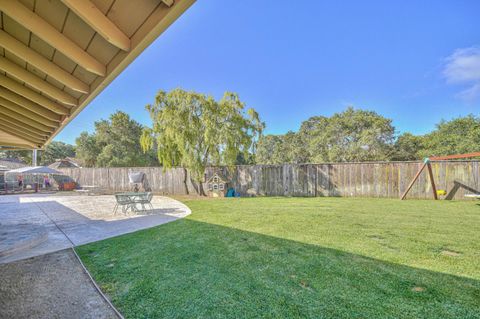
37 224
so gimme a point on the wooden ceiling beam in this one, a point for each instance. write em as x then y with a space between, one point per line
95 18
20 132
25 120
29 105
31 57
156 23
27 145
168 3
38 83
7 146
38 26
21 135
21 148
16 87
8 121
24 112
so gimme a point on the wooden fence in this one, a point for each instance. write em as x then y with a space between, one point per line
376 179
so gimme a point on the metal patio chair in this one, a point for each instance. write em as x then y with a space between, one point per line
122 200
145 199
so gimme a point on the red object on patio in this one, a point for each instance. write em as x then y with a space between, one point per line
68 186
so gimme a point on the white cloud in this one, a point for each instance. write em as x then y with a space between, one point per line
463 67
471 93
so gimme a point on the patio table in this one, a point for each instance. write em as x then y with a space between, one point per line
133 197
90 189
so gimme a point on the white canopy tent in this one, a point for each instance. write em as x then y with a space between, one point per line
35 170
32 177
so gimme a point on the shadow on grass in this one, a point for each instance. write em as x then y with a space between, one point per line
191 269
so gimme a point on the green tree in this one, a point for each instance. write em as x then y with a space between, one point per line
115 143
270 150
408 147
55 150
309 130
460 135
295 148
87 149
352 135
23 155
193 130
280 149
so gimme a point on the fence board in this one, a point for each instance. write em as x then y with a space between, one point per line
380 179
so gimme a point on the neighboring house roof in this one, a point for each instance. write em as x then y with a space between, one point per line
12 160
78 161
59 55
11 163
64 163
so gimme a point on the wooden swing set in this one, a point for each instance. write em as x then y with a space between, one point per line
428 165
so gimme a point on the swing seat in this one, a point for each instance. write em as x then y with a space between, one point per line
477 196
441 192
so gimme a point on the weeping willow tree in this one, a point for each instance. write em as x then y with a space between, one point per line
193 130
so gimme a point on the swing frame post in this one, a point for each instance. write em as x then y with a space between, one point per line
426 163
432 180
417 175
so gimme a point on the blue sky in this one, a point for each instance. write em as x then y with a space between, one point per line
416 62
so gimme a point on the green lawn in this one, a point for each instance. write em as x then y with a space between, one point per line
298 258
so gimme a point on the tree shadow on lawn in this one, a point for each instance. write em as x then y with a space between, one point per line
189 269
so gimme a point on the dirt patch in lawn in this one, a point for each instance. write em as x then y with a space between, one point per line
376 237
450 253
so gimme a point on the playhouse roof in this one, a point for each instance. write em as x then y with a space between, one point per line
220 177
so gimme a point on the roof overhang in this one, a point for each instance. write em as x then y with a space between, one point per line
56 56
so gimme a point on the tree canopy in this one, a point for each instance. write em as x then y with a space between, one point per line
270 150
288 148
115 143
408 147
359 135
55 150
194 130
352 135
458 136
22 155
